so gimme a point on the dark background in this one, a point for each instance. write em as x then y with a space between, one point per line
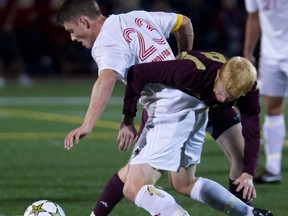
32 43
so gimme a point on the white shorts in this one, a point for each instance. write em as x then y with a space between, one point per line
172 139
273 77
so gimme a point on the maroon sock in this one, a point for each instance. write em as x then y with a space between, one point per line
110 196
232 189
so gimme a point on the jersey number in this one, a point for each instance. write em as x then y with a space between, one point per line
214 56
144 51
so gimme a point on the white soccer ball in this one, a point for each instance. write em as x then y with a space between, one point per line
44 208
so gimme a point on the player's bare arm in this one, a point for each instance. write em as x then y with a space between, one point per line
100 96
252 36
185 35
127 133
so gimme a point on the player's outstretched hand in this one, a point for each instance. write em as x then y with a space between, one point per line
126 136
75 135
245 182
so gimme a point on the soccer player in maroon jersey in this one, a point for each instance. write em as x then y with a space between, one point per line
220 84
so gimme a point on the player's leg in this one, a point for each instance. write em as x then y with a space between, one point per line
224 126
235 153
113 191
111 195
140 189
211 193
204 190
274 82
155 151
139 175
274 135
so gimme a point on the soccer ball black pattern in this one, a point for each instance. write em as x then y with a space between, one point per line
44 208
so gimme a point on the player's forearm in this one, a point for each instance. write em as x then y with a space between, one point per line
251 133
185 35
252 34
249 108
100 96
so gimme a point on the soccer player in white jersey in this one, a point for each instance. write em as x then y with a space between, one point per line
117 42
268 20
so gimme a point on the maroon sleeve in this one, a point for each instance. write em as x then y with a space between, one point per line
173 73
250 109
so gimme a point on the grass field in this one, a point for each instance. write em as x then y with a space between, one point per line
34 164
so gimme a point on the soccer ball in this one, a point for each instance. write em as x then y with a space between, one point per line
44 208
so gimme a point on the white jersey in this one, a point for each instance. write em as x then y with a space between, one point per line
133 38
138 37
273 17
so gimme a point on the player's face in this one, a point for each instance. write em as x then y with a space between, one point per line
80 33
221 93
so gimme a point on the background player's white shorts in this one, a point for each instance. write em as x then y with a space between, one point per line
172 137
273 79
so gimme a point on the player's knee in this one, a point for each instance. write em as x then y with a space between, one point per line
129 192
183 188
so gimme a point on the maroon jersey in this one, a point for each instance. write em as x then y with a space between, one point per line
195 75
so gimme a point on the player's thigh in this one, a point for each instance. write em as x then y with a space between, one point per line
139 175
274 105
272 78
225 127
231 142
192 148
161 142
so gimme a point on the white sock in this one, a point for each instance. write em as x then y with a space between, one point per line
92 214
274 136
217 197
158 202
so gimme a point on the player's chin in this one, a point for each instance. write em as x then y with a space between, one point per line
87 45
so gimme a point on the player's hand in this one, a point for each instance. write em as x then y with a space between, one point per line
245 182
75 135
126 136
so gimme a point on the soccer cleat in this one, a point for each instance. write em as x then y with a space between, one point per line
261 212
268 178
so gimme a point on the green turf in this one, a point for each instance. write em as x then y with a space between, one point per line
34 164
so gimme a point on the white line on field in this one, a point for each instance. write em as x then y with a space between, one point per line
25 101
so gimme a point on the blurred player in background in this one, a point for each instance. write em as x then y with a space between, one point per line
12 64
269 19
215 81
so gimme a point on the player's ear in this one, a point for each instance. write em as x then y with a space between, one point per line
83 21
216 80
217 76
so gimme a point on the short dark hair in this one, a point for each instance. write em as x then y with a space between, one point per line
73 9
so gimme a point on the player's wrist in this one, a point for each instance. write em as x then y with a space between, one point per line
128 120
